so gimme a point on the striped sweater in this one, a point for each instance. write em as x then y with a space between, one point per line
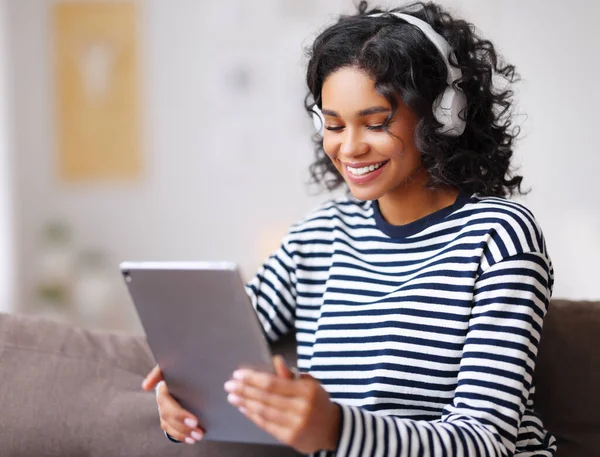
425 334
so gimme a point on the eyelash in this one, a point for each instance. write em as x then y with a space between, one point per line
374 128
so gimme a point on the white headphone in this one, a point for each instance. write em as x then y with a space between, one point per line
448 106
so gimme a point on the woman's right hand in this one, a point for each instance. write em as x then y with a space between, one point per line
174 420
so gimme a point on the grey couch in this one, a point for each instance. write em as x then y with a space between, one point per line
65 391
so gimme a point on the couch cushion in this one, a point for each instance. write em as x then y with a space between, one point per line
568 377
66 391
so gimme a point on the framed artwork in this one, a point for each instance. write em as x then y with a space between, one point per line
97 85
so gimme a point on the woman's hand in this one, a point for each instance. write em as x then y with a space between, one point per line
174 420
298 412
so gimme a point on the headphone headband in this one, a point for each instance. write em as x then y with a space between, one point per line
438 40
448 107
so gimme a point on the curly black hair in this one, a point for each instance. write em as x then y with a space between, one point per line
404 63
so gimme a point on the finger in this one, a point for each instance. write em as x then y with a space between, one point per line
153 378
238 390
174 416
269 413
275 429
174 433
281 368
191 438
267 382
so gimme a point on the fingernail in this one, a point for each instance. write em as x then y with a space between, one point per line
191 423
234 399
188 440
243 410
197 436
238 374
230 386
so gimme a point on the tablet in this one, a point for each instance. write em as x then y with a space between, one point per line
201 327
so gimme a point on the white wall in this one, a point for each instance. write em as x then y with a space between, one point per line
554 46
225 164
7 268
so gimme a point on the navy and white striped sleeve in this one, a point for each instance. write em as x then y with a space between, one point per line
273 292
495 375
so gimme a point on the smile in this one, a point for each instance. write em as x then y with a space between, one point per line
364 170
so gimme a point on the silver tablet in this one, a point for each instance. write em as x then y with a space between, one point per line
201 326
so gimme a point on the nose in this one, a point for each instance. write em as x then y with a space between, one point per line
352 143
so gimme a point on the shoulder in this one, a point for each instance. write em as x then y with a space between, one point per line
483 205
344 210
509 226
315 233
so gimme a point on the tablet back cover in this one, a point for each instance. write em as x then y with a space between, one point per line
200 326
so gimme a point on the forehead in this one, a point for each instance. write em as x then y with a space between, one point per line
350 88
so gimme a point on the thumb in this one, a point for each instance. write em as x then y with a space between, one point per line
281 368
153 378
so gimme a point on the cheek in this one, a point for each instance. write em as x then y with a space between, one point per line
402 144
330 147
391 147
405 144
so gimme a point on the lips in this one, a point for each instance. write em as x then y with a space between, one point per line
361 173
362 169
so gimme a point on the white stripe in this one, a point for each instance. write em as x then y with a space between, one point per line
380 275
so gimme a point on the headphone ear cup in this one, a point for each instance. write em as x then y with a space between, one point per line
318 120
446 110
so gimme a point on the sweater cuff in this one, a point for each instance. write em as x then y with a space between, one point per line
170 438
348 430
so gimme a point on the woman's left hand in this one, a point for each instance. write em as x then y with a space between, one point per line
298 412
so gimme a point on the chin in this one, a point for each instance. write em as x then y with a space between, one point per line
365 193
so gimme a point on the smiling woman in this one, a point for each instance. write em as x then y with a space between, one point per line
442 71
376 156
418 300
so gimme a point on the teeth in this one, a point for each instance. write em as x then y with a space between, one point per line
363 170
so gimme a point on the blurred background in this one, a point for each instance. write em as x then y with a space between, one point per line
175 130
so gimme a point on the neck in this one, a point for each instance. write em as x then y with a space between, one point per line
409 203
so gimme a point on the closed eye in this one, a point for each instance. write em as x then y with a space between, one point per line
374 128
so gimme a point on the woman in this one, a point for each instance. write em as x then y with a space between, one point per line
418 301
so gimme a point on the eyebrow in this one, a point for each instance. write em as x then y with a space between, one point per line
361 113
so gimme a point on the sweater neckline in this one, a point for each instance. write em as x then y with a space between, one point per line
406 230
